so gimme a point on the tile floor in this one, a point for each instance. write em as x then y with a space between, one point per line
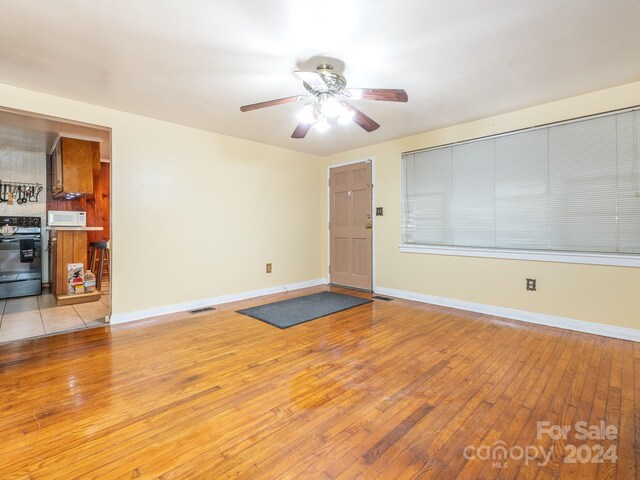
35 316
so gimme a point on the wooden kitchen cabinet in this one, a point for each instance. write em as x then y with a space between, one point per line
73 163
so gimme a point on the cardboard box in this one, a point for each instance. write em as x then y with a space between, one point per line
75 278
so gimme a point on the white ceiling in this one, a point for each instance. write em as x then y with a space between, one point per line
196 62
22 131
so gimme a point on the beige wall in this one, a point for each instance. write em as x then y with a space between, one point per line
254 203
197 214
601 294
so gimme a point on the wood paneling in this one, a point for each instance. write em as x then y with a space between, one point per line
70 247
99 205
388 390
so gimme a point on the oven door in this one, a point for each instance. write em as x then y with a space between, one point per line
18 279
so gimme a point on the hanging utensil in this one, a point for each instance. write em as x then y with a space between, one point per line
40 188
21 193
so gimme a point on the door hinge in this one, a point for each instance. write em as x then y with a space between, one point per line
329 225
328 182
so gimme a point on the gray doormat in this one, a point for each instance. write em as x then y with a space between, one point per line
294 311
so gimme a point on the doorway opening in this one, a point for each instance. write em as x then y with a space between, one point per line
55 211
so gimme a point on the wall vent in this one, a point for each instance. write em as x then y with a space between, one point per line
203 309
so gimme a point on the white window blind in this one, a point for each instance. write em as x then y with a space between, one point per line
473 185
570 187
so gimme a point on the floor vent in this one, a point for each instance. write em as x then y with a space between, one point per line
384 299
203 309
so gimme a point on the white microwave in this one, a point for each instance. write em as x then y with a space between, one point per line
60 218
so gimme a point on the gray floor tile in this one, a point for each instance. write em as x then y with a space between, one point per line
59 319
24 304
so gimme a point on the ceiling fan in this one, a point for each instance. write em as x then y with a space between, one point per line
328 99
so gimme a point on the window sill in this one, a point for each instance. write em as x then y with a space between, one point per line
532 255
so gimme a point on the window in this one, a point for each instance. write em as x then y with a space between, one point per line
571 188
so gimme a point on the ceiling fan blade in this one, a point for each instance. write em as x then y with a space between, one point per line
383 94
361 119
270 103
301 130
314 80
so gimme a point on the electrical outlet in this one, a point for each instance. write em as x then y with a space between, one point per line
379 212
531 284
268 268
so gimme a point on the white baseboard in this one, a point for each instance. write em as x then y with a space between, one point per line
205 302
531 317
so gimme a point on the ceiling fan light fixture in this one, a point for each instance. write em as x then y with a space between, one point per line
326 102
307 114
346 116
322 125
330 107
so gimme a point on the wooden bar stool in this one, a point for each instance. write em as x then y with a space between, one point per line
100 250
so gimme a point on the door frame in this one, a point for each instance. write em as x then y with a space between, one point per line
371 159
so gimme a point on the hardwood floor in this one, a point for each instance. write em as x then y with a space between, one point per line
388 390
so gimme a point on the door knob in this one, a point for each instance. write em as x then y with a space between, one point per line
367 225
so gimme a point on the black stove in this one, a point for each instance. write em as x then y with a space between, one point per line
20 257
20 221
22 225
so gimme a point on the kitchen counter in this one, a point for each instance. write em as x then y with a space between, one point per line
77 229
68 245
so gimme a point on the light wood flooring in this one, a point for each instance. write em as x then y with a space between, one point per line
388 390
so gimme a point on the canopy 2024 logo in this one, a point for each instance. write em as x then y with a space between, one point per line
499 454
